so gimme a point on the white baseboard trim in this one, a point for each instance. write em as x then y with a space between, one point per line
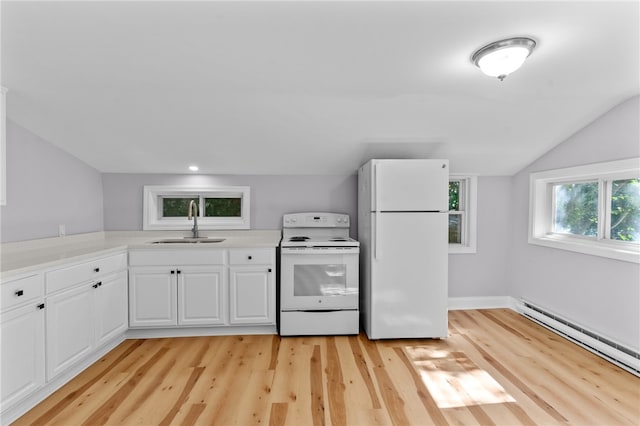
614 352
486 302
155 333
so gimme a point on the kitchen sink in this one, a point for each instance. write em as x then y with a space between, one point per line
188 240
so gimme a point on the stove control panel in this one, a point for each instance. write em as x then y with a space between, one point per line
315 220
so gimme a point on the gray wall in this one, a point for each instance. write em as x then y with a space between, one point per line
271 196
47 187
483 274
599 293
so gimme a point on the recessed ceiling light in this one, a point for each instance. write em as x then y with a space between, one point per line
503 57
194 168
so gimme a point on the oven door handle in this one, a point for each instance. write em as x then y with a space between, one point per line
328 251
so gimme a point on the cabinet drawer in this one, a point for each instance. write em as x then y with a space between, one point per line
16 292
251 257
86 271
185 256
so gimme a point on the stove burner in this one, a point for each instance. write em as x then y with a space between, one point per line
295 239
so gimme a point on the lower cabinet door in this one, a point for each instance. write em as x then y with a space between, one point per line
22 353
201 295
152 297
111 316
252 295
69 328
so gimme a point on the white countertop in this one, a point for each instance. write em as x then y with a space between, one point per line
27 256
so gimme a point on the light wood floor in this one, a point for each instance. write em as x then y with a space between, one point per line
496 367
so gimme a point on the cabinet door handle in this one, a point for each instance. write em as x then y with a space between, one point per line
95 285
19 293
99 283
40 306
178 271
269 270
173 272
249 257
96 269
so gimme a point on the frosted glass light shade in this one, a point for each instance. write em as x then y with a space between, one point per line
503 57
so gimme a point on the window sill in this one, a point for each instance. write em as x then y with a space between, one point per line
202 225
611 250
460 249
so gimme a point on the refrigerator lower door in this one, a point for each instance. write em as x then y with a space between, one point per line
409 276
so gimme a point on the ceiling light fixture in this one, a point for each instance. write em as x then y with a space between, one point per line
193 168
501 58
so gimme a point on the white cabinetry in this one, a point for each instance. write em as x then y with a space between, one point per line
56 322
200 287
86 307
152 297
110 303
201 295
22 331
169 288
69 328
252 286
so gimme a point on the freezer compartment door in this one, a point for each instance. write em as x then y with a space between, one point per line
410 185
409 276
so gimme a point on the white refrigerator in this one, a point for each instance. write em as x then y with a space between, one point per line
403 233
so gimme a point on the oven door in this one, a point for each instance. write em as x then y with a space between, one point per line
319 279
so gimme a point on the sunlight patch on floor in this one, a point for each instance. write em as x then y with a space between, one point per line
453 380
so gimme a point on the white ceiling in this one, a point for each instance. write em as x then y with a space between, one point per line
310 87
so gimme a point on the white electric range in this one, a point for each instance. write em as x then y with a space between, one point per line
319 281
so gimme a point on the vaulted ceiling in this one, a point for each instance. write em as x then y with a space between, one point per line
303 87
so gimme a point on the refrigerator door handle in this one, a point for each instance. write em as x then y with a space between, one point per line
375 193
375 188
375 236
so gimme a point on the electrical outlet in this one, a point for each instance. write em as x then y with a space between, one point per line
62 230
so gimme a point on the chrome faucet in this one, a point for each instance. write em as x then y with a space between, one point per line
193 212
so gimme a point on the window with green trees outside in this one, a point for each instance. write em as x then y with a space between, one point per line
455 214
213 207
577 212
592 209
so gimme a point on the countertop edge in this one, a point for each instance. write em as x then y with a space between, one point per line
28 257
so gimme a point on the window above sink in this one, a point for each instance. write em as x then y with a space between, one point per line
166 207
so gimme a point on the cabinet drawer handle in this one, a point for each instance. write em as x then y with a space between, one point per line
95 285
178 271
99 283
249 257
173 272
96 269
40 306
19 293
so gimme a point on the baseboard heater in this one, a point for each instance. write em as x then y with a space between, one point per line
613 352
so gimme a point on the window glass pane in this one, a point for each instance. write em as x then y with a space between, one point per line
223 207
455 229
625 210
175 207
576 208
454 195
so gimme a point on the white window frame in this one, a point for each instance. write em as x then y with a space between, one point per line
152 207
541 209
468 211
